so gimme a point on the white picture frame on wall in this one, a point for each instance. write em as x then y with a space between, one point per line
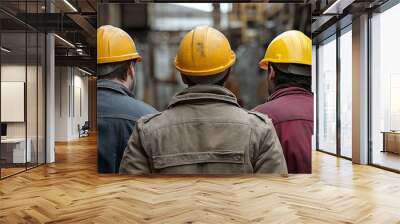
12 101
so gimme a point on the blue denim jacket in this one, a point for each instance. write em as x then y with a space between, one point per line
117 112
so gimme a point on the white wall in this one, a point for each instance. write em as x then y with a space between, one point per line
71 87
17 73
79 117
33 126
62 80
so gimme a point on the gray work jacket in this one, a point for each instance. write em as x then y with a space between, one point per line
117 112
204 131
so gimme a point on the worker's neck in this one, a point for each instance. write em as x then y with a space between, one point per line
124 83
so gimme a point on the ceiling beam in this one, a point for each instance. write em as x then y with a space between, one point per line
78 61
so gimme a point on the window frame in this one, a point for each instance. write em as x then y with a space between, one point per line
378 10
347 27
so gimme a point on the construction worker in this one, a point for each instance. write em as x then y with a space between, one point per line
117 109
204 130
290 104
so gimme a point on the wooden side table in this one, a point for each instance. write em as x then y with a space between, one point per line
391 141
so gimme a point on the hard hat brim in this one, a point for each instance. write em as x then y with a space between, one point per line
263 64
113 59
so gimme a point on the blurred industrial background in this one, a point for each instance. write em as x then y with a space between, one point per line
158 28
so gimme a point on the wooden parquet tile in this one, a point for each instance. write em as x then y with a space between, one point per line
70 191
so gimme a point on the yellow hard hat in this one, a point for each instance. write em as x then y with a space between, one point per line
115 45
289 47
204 51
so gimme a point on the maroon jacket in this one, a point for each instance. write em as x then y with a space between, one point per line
291 111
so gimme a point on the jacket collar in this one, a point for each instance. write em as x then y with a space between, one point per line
289 91
204 93
114 86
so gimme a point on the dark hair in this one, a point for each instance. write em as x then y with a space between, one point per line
283 79
120 73
222 81
217 79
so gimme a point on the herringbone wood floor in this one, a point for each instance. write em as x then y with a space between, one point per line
70 191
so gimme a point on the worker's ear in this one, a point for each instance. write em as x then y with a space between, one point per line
132 69
271 73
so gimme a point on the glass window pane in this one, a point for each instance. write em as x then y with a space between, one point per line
385 85
22 88
327 96
346 94
31 97
13 86
314 90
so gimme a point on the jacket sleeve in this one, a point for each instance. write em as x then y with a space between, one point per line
135 160
270 158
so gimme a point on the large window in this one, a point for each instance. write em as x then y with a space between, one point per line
346 93
327 96
385 89
334 73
